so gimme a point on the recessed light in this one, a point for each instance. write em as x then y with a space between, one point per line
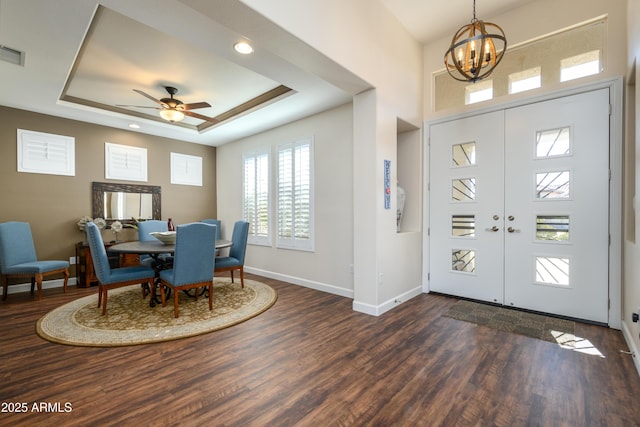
243 48
134 126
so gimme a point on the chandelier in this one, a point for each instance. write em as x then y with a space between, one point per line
475 51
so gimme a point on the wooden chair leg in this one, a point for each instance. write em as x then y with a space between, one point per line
175 303
231 272
162 295
33 284
242 275
5 287
211 296
104 302
39 284
99 296
66 279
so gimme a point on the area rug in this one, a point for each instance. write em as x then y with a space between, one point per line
131 321
533 325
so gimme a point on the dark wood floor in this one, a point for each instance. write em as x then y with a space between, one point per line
312 361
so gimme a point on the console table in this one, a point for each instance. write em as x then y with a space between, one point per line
85 274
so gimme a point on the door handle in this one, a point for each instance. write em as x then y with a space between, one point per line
513 230
494 228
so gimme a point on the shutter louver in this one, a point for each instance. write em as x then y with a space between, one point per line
256 197
295 210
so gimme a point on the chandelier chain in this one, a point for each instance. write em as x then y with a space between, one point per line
474 12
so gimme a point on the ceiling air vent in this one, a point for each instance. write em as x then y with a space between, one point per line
11 55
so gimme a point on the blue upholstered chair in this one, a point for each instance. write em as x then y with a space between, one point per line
18 258
235 260
109 278
193 262
215 222
218 225
151 226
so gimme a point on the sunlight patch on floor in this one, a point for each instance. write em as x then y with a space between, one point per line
575 343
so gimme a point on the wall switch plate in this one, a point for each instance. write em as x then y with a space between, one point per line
73 260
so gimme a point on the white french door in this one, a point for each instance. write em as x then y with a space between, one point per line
519 206
467 199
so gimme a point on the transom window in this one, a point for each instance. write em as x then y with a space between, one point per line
575 67
478 92
563 56
525 80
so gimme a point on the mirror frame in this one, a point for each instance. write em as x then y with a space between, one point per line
99 188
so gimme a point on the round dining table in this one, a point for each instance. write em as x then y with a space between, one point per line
155 248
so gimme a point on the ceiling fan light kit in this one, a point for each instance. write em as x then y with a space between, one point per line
171 115
476 49
172 109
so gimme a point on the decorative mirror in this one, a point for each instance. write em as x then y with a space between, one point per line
123 202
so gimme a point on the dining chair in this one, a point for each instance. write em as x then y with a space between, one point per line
111 278
18 258
193 262
151 226
215 222
218 225
235 260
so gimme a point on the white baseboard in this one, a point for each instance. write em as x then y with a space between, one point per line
336 290
628 337
377 310
318 286
46 284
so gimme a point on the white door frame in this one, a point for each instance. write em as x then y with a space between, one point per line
616 135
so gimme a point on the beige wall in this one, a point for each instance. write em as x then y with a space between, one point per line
53 204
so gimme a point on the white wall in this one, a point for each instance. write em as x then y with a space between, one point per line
361 36
631 288
327 268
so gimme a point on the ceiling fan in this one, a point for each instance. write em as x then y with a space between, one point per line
172 109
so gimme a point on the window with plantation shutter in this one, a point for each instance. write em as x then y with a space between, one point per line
46 153
125 162
255 202
295 195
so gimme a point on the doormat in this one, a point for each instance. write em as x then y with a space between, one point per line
547 328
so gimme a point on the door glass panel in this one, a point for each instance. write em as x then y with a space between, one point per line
463 154
463 225
552 228
553 185
463 260
463 190
552 271
553 143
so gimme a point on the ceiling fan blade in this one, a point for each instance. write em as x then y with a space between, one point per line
136 106
194 105
151 98
200 116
